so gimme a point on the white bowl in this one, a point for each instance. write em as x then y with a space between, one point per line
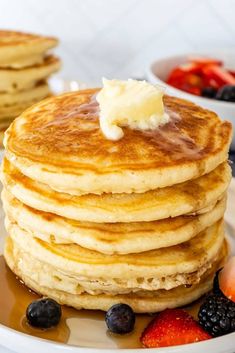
158 72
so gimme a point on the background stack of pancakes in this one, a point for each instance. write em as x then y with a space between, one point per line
25 66
93 222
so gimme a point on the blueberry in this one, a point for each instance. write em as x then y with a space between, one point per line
226 93
43 313
120 318
209 92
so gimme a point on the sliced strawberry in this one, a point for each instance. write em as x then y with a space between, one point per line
211 82
191 68
200 60
199 73
180 72
176 75
193 80
186 81
232 72
227 279
172 327
194 90
219 74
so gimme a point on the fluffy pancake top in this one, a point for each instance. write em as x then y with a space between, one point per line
61 135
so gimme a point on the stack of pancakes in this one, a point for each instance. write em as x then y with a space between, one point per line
93 222
25 66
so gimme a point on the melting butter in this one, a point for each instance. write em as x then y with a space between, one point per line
136 104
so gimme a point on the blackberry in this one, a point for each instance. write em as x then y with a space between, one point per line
216 287
217 315
120 318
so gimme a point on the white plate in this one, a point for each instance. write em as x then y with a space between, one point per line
92 333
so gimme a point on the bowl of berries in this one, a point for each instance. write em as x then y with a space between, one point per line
208 79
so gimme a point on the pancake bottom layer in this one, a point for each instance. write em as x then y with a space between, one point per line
141 302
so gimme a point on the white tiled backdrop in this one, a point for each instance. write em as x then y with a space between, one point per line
118 38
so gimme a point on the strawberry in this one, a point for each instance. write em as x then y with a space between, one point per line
211 82
176 75
200 73
201 61
232 72
219 74
193 90
185 80
172 327
227 279
179 73
191 68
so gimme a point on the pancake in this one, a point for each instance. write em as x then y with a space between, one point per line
141 301
122 238
36 93
12 80
59 142
19 49
194 196
94 222
5 122
12 111
2 131
157 269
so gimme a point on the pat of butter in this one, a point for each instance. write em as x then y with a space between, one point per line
136 104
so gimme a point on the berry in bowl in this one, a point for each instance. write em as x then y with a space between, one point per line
206 79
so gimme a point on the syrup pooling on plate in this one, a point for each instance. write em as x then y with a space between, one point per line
14 299
85 328
75 327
